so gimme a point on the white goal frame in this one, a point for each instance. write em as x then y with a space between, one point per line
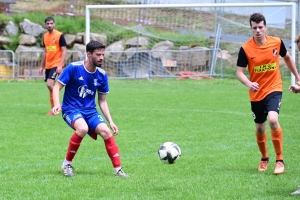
291 4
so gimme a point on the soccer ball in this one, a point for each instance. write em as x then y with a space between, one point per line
169 152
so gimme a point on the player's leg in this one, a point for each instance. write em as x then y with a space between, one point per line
111 148
260 132
50 80
273 102
78 123
97 124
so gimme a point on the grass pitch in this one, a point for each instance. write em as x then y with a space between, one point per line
209 119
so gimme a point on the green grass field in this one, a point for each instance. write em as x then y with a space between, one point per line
209 119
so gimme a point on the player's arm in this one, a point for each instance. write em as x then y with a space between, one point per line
105 111
55 94
242 63
294 88
289 61
43 62
240 74
63 47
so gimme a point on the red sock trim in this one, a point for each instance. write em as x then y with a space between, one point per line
113 151
74 145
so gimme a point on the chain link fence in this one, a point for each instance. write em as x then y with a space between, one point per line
226 28
26 63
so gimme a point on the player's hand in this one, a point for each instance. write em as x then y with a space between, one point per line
298 82
59 69
114 128
41 71
294 88
56 109
254 87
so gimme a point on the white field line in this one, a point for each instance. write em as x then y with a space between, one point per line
153 109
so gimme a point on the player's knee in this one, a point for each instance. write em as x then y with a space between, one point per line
49 86
82 130
260 131
273 123
105 133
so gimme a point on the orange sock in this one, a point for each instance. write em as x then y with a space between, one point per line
277 142
262 144
51 99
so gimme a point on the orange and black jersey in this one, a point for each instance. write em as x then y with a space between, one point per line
53 43
263 65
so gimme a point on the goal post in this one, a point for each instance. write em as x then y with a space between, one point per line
142 18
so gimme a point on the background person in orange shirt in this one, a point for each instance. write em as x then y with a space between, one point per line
296 88
261 54
53 56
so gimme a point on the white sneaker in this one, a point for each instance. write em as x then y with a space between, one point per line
68 170
296 192
121 173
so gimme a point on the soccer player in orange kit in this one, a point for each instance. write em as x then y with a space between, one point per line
53 56
261 54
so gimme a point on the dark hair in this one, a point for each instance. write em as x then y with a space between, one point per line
49 19
92 45
257 18
297 40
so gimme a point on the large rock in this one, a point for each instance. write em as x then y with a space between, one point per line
98 37
199 56
11 29
81 48
5 40
27 40
134 42
28 54
31 28
114 51
70 39
182 56
192 58
79 38
130 51
158 50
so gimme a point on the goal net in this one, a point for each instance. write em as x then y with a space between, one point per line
182 40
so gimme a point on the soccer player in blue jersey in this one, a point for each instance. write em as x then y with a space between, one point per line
82 80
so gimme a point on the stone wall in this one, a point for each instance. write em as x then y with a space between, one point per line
192 59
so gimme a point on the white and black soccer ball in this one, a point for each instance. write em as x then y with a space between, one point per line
169 153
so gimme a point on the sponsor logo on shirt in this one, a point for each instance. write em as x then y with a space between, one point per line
265 67
51 48
83 91
275 52
95 82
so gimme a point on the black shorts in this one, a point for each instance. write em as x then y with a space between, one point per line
260 109
50 74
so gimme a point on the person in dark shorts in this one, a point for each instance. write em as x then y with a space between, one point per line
53 56
261 55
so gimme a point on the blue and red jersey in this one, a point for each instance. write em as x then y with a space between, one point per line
81 86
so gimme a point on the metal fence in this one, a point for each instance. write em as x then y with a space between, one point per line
7 64
234 31
25 64
164 63
28 62
130 64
